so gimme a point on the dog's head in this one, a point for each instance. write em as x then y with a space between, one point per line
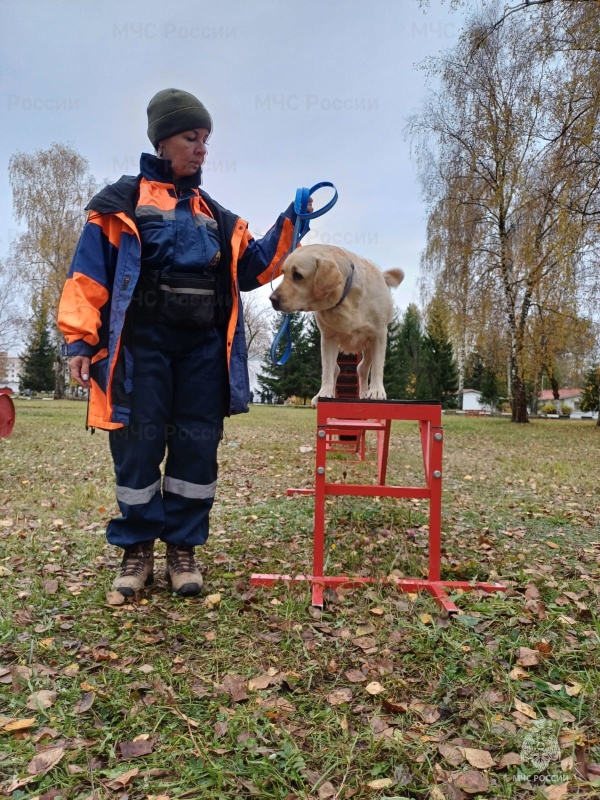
312 281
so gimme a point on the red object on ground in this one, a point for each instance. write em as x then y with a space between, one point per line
338 417
7 413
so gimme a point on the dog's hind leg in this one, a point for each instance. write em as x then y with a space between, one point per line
376 390
363 370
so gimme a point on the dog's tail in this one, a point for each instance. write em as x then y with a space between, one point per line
393 277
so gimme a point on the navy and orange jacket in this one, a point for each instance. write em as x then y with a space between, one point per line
104 272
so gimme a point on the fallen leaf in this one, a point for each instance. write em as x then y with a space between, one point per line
509 760
573 689
262 682
122 780
355 676
135 749
19 724
517 674
374 688
381 783
212 600
221 729
326 790
43 762
527 657
478 758
556 792
51 586
471 781
365 643
377 612
114 598
85 702
560 714
429 714
339 696
524 708
426 619
365 629
453 755
41 700
235 687
146 669
532 592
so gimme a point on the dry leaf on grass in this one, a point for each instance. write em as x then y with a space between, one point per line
478 758
527 657
122 780
326 790
221 729
355 676
453 755
41 700
471 781
43 762
428 713
381 783
235 687
525 709
573 689
509 760
339 696
212 600
114 598
137 748
11 724
557 792
374 688
85 702
560 714
261 682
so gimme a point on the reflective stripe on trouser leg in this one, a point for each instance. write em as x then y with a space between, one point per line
137 452
191 469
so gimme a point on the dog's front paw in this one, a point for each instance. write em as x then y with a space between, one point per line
376 393
323 392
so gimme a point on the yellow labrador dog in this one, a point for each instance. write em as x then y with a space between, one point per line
353 307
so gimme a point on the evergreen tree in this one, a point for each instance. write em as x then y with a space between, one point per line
408 353
439 374
394 379
474 369
490 389
590 399
38 360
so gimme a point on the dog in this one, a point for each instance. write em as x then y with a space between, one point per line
352 303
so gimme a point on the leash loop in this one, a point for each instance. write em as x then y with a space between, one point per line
301 228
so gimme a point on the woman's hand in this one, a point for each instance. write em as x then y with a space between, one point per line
80 370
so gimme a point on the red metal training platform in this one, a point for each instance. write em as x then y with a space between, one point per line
340 420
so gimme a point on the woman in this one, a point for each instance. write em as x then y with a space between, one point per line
152 317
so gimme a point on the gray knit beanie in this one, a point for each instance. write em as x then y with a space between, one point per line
172 111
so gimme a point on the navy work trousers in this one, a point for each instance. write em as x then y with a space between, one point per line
179 395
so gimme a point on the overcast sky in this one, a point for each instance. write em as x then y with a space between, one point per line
300 92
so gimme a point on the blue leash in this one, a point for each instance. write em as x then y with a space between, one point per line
301 228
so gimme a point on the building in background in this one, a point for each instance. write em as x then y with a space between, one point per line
10 371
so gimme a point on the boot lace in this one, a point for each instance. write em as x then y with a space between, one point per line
181 559
134 561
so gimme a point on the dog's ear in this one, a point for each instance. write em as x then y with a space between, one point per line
327 278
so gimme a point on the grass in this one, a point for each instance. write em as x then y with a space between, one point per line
248 692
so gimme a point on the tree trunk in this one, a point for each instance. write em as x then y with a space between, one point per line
59 377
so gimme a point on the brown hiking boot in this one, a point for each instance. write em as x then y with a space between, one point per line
182 572
137 569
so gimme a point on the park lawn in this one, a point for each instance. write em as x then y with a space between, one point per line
249 692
